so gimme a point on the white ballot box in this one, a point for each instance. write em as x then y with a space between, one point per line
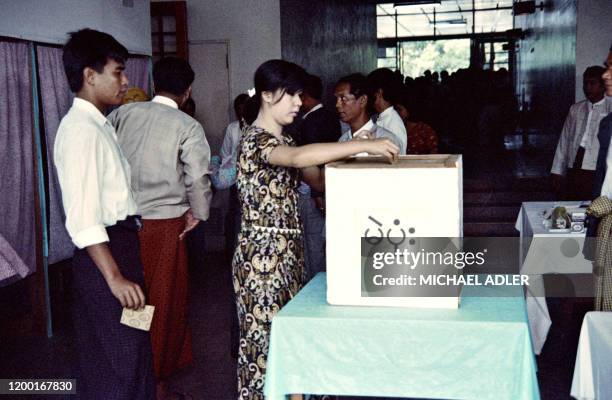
394 206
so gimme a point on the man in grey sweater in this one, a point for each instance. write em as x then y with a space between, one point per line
169 158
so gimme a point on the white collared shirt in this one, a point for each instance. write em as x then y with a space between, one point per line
606 187
315 108
165 100
581 118
369 126
377 131
94 176
391 121
597 111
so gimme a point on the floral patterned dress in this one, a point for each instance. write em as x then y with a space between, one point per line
268 264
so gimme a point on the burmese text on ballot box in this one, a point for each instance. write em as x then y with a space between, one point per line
377 211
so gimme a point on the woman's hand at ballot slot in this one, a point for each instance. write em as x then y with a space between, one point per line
363 135
383 147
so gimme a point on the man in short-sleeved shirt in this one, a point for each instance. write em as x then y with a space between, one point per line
353 105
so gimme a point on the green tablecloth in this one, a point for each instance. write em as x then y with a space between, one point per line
480 351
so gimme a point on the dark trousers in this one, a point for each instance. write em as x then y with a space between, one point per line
579 184
114 360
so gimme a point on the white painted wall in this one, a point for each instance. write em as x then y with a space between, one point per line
49 21
593 36
251 26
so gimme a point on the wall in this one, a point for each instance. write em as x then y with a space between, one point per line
251 26
50 21
547 58
593 38
329 38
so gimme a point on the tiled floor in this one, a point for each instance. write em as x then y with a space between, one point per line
212 377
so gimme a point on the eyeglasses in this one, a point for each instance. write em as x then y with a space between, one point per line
346 99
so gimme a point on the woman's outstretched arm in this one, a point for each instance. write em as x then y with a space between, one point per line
320 153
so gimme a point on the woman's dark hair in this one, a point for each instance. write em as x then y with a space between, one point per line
251 109
89 48
273 75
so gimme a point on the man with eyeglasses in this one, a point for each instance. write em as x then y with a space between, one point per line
354 108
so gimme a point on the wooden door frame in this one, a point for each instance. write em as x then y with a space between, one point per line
178 10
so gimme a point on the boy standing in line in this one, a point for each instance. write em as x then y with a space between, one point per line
115 360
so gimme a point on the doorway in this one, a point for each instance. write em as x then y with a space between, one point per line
211 88
211 93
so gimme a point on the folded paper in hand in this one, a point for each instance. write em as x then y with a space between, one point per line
139 319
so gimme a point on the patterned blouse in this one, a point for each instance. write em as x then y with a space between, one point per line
268 193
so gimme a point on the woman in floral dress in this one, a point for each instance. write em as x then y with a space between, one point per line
268 263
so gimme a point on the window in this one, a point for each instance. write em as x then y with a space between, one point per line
414 38
169 29
438 55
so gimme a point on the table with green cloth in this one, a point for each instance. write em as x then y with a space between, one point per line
482 350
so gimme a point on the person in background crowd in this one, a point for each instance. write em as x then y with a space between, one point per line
134 95
189 107
576 154
224 177
384 92
422 139
353 106
318 125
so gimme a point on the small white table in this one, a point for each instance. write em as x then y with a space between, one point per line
542 252
593 369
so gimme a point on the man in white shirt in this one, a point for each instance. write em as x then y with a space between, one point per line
385 92
115 360
352 103
576 154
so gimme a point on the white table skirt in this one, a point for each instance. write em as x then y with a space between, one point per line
540 253
593 370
